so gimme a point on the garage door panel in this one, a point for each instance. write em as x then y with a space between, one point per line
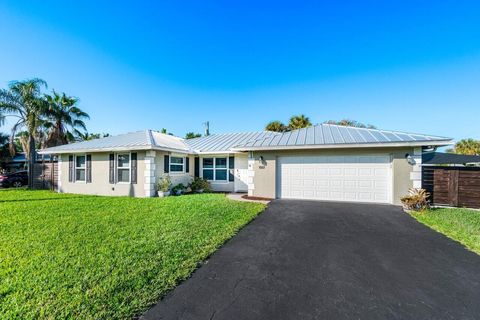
339 178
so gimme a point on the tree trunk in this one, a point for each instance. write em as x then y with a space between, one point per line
31 161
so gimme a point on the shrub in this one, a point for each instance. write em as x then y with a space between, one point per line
199 184
164 184
178 189
417 200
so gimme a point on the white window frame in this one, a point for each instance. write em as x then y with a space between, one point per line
122 168
214 168
176 164
75 167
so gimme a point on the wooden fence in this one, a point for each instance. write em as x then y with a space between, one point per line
452 186
46 175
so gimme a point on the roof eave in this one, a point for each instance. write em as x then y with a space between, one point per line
116 149
433 143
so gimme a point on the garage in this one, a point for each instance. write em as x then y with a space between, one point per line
360 178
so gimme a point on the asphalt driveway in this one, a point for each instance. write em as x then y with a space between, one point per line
320 260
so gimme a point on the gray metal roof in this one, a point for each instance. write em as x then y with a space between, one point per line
226 141
322 135
335 135
139 140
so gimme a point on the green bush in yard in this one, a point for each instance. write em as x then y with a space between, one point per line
87 257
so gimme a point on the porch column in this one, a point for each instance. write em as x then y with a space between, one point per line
149 185
416 174
59 172
250 173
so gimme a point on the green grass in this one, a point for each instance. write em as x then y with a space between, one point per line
84 257
462 225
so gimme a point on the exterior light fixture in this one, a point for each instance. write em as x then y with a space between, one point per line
410 159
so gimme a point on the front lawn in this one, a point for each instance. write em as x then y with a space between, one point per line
71 256
459 224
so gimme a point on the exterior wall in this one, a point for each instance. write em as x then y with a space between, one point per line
218 186
100 178
264 174
241 172
177 178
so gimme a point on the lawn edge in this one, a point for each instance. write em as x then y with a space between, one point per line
464 245
201 262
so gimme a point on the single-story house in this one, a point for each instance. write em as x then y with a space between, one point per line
322 162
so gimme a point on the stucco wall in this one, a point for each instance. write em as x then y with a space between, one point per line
264 178
100 178
176 178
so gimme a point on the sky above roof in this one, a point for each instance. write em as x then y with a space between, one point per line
405 66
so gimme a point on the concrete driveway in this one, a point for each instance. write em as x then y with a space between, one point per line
320 260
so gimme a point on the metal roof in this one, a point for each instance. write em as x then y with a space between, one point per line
448 158
139 140
322 135
226 141
328 135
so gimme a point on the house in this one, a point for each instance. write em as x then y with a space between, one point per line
322 162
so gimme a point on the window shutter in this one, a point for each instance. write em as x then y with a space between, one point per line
197 167
134 168
88 169
111 171
231 166
70 168
187 164
166 164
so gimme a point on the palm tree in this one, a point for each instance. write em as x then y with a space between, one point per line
23 101
64 119
90 136
191 135
467 146
276 126
351 123
298 122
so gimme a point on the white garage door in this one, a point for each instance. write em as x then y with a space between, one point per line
338 178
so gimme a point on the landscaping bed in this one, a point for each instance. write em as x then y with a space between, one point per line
73 256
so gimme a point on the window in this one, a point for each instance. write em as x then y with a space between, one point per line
215 169
123 168
176 164
80 168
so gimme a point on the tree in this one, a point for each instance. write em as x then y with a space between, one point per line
23 100
65 119
90 136
3 145
276 126
467 146
298 122
351 123
191 135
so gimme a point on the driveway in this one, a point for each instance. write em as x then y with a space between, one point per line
325 260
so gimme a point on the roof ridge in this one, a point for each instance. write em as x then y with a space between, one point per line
378 129
150 137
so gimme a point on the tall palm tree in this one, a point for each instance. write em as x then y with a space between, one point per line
276 126
23 100
65 119
467 146
298 122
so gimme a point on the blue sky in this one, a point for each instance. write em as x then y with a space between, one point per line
400 65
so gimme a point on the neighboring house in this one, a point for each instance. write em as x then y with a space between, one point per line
322 162
19 162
